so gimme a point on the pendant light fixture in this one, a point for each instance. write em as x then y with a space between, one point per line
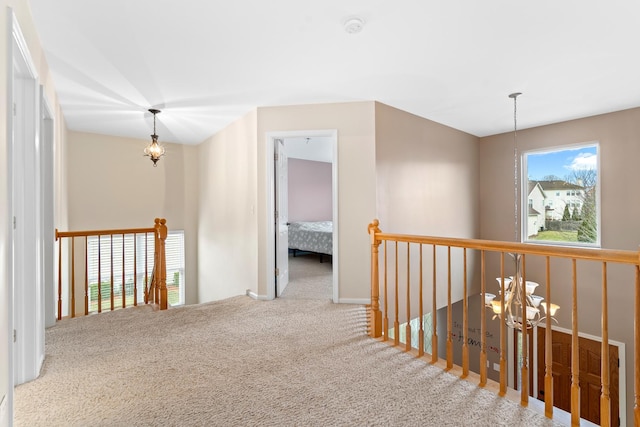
154 150
521 307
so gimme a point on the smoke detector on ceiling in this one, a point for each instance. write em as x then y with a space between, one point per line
353 25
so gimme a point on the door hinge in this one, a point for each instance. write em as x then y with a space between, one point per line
15 336
277 271
14 222
15 109
276 214
275 157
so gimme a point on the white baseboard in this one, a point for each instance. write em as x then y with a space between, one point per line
358 301
4 413
255 296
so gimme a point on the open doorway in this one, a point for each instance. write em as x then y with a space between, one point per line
304 205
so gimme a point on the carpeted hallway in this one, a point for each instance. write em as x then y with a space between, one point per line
295 361
309 278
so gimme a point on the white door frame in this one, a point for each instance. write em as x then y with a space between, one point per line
282 219
47 220
26 308
270 179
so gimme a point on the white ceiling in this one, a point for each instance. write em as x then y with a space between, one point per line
205 63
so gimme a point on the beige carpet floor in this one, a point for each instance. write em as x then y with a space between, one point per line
241 362
309 278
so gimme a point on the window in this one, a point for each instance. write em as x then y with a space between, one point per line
569 177
110 252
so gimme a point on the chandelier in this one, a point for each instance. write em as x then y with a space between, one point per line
521 305
154 150
517 302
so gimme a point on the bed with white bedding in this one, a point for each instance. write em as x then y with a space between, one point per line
314 236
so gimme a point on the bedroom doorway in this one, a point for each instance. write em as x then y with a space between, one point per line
304 191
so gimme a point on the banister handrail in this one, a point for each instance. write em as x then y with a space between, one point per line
593 254
379 326
59 234
155 289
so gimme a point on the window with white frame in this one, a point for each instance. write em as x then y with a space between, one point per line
569 178
125 264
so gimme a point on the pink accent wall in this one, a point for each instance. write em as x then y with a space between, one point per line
309 190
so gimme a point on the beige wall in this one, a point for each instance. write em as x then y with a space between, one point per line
427 176
427 184
112 185
227 220
618 134
356 184
22 12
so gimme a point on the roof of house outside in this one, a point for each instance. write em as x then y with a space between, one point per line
532 185
557 185
533 212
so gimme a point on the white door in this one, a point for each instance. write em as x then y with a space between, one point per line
282 217
28 306
47 221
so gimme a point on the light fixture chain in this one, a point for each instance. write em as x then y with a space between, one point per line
515 165
515 162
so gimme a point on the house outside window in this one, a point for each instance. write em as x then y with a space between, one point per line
565 181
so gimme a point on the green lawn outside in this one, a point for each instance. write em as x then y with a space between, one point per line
557 236
173 296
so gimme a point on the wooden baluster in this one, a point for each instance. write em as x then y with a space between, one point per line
575 351
396 323
636 351
146 269
156 263
503 333
483 324
449 313
375 321
73 277
86 275
407 330
548 353
434 312
164 301
421 315
605 403
385 322
124 291
465 319
99 277
59 239
524 392
151 279
111 296
135 269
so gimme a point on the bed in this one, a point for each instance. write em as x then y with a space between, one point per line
316 237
